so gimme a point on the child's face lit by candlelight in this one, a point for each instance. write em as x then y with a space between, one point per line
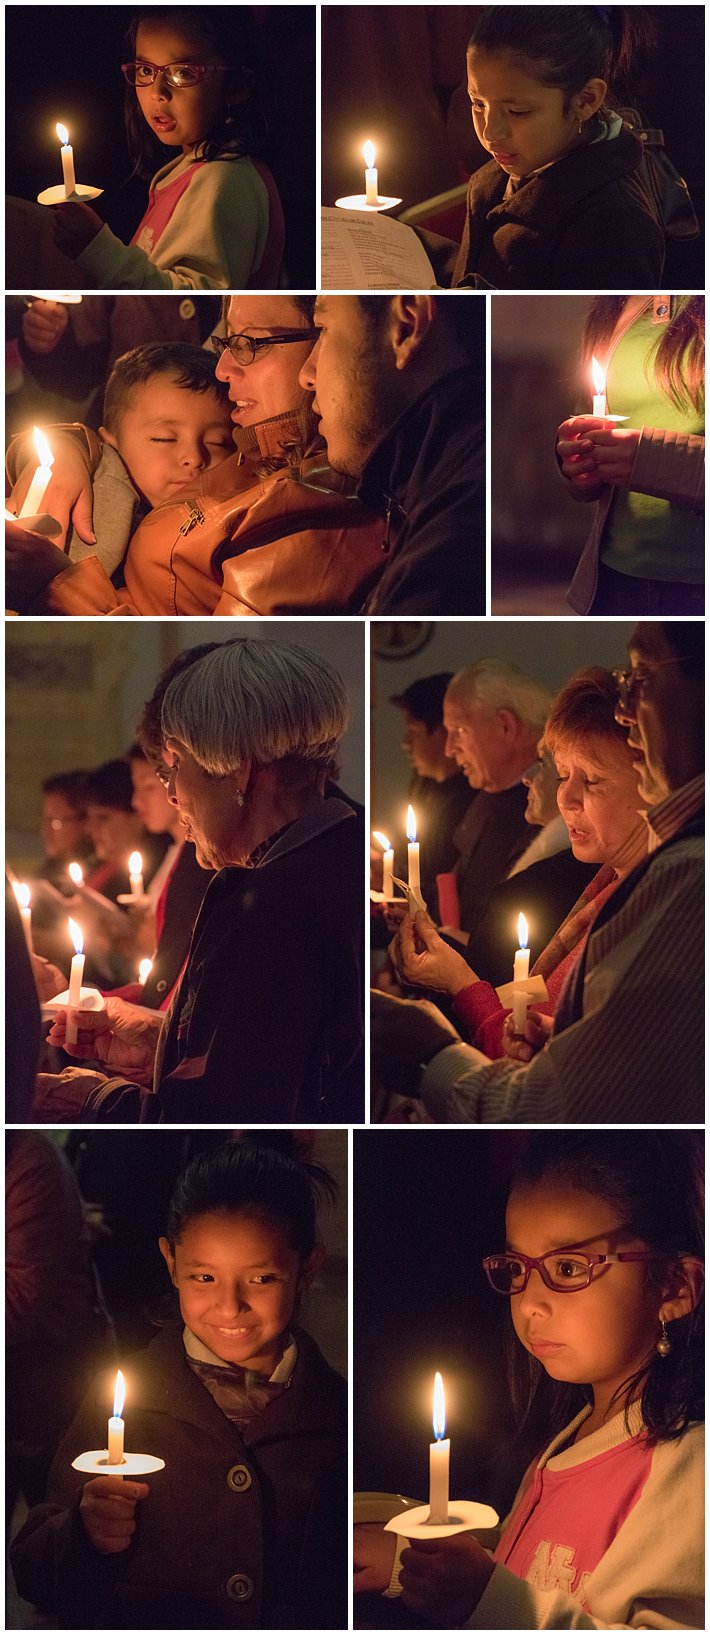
238 1279
597 1336
523 123
179 117
168 435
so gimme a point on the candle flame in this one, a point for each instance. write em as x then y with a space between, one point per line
76 874
439 1416
76 936
22 894
598 376
522 931
411 824
135 863
144 970
368 154
62 133
44 452
384 842
119 1395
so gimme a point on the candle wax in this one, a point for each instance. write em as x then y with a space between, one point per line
371 186
439 1480
75 978
115 1440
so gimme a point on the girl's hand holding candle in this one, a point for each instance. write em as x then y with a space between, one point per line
107 1511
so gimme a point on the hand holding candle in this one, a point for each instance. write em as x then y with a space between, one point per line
439 1451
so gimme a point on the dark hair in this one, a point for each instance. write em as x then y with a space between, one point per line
585 709
192 367
149 732
227 32
259 1175
463 319
677 354
72 785
305 304
568 45
423 700
687 639
110 785
654 1179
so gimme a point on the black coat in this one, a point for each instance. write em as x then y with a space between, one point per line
491 836
583 223
428 475
544 893
240 1530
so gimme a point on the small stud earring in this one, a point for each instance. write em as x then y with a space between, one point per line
663 1346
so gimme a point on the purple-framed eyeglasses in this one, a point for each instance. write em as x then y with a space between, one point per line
564 1270
178 75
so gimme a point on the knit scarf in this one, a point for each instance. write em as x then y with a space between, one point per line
240 1393
579 921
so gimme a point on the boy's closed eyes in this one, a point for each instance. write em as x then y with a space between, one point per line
168 435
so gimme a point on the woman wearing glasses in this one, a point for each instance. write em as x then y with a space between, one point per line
604 1273
645 553
214 218
272 530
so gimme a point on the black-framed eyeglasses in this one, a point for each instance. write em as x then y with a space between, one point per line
178 75
630 683
564 1270
245 348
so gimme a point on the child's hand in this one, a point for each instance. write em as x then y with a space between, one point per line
74 227
373 1557
537 1032
107 1512
43 325
613 453
443 1579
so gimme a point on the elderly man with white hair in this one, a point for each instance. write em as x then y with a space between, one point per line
494 715
266 1025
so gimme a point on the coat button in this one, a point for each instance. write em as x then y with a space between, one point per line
240 1587
161 985
187 309
239 1478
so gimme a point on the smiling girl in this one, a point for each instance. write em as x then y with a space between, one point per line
560 205
603 1269
243 1526
214 217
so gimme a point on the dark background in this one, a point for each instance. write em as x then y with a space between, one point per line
396 75
428 1205
63 63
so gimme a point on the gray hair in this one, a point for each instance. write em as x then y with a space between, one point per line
496 685
262 701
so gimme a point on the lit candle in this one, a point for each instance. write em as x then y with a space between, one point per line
368 153
521 971
599 378
68 175
115 1424
439 1451
76 874
387 864
22 898
144 970
135 874
75 979
413 878
35 494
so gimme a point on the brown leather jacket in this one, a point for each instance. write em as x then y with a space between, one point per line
248 540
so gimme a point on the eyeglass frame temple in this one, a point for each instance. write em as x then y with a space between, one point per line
533 1263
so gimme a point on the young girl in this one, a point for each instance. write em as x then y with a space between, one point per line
244 1526
645 553
214 218
561 205
603 1271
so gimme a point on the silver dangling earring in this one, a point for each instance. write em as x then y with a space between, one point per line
240 798
663 1346
579 127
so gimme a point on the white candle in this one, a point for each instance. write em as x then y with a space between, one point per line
144 970
115 1424
22 898
599 378
439 1452
76 874
135 874
387 864
68 176
521 970
75 979
413 878
370 173
35 494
